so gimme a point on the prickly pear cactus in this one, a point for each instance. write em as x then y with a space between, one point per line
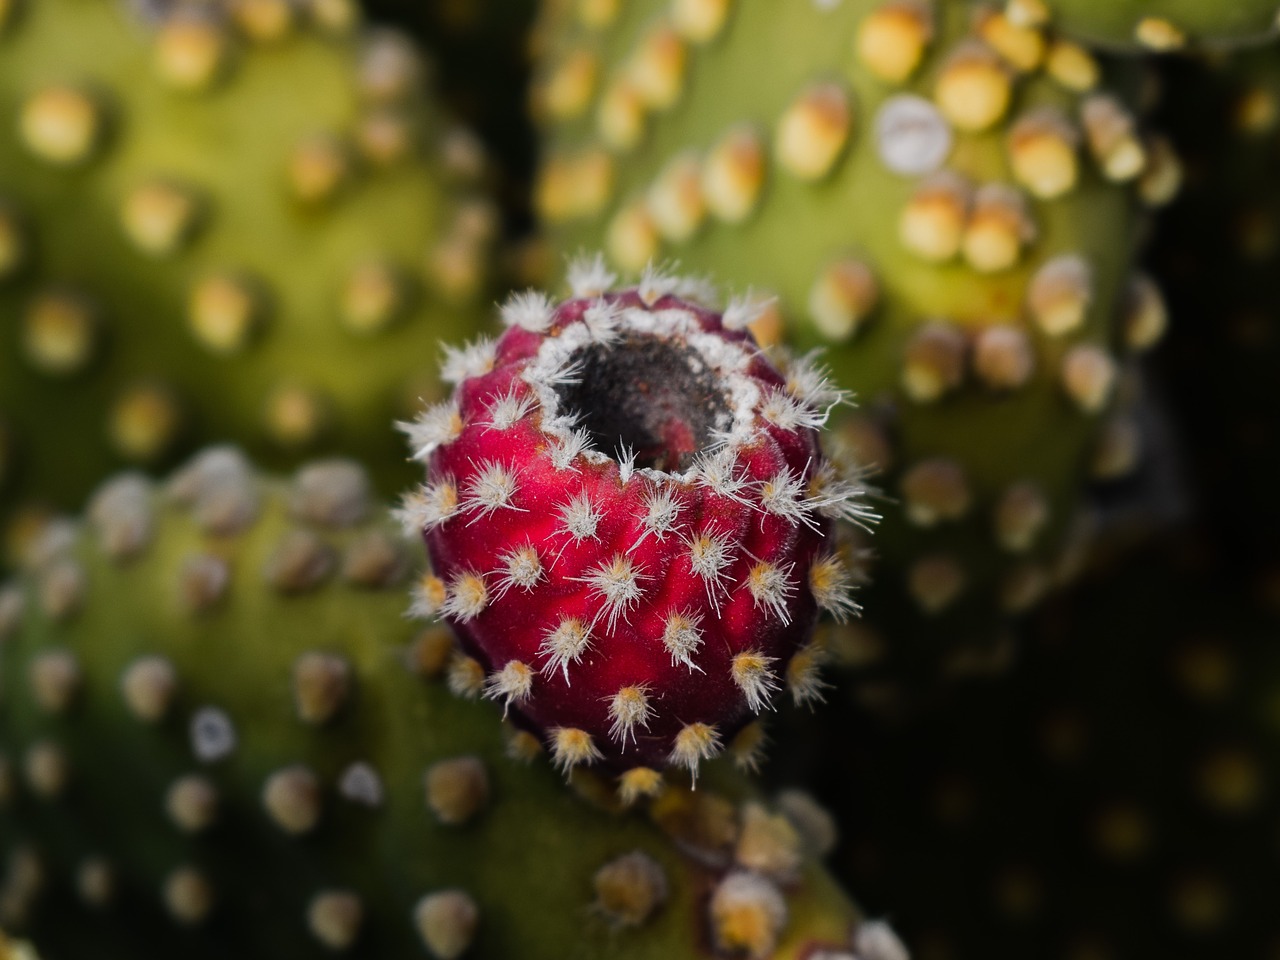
945 199
218 722
231 221
1153 25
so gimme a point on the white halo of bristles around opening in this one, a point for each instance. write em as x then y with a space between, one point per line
601 322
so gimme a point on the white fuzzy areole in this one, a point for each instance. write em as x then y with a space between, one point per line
728 360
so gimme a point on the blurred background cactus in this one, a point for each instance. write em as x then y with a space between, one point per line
1036 241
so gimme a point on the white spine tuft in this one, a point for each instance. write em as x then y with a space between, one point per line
742 312
428 506
771 588
512 684
521 567
510 409
682 637
661 510
603 321
655 283
472 360
787 413
589 276
710 557
810 383
694 743
784 496
617 583
753 675
565 644
530 311
629 708
466 598
718 472
564 451
490 490
434 427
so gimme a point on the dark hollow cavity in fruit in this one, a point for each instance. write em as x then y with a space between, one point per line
650 396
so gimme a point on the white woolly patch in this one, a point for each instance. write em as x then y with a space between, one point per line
771 588
428 506
589 276
521 568
682 638
617 583
489 490
470 360
213 735
437 425
530 311
629 708
565 644
710 558
510 409
602 322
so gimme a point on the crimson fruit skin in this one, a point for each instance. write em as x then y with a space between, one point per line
623 612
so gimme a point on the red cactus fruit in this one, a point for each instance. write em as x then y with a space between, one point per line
631 521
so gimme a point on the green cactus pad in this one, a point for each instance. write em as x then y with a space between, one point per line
251 229
1155 25
946 201
218 722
